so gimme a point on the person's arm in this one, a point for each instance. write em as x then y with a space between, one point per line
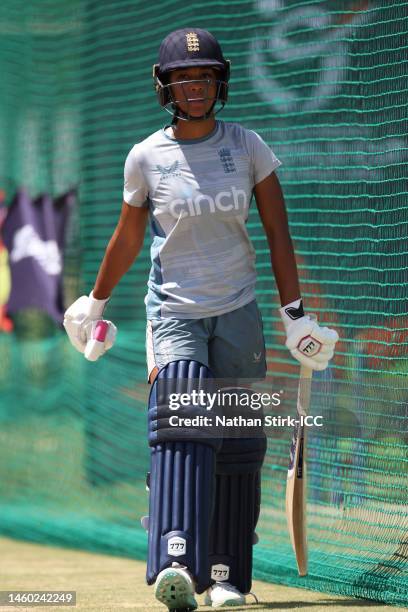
271 207
123 248
309 343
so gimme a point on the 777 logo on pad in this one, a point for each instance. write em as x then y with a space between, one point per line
176 546
220 572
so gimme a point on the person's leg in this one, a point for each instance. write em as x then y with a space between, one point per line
182 476
170 340
237 355
237 507
237 347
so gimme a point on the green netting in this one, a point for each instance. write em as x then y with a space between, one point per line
325 84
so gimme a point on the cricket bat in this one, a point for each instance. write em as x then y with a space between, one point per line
296 481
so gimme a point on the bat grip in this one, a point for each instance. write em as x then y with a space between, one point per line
304 390
305 372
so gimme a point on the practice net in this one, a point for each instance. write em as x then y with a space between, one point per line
325 84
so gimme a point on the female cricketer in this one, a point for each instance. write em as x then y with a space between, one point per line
193 181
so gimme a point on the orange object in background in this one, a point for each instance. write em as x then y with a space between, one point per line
379 346
6 324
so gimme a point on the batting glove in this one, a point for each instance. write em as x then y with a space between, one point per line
88 332
309 343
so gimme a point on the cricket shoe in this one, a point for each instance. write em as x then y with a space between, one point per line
174 588
224 594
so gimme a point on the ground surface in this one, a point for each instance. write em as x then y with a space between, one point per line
111 584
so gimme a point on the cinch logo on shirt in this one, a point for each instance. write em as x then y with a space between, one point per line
224 201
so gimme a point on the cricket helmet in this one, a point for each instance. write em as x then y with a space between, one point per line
187 48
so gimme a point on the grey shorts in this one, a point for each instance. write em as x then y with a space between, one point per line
232 345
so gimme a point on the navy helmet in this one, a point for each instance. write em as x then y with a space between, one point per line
185 48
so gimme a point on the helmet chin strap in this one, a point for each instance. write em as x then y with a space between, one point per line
173 108
179 114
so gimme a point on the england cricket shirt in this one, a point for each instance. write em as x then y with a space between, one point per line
198 193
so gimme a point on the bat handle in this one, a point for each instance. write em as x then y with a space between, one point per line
305 372
304 390
95 346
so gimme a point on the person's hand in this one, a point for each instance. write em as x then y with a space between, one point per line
312 345
88 332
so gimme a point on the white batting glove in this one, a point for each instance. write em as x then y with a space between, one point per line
88 332
312 345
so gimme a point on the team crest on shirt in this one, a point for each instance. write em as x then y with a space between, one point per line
170 171
227 160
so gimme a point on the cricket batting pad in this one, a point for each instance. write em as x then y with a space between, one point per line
182 487
236 511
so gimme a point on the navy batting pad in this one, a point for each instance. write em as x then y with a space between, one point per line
236 510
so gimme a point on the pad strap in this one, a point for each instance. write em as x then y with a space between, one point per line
175 379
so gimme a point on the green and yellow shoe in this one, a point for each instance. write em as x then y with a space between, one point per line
174 588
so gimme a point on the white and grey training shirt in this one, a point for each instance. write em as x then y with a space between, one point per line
198 194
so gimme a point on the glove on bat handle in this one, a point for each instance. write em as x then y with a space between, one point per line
95 347
306 372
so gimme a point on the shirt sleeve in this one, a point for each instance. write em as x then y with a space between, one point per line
135 191
264 160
